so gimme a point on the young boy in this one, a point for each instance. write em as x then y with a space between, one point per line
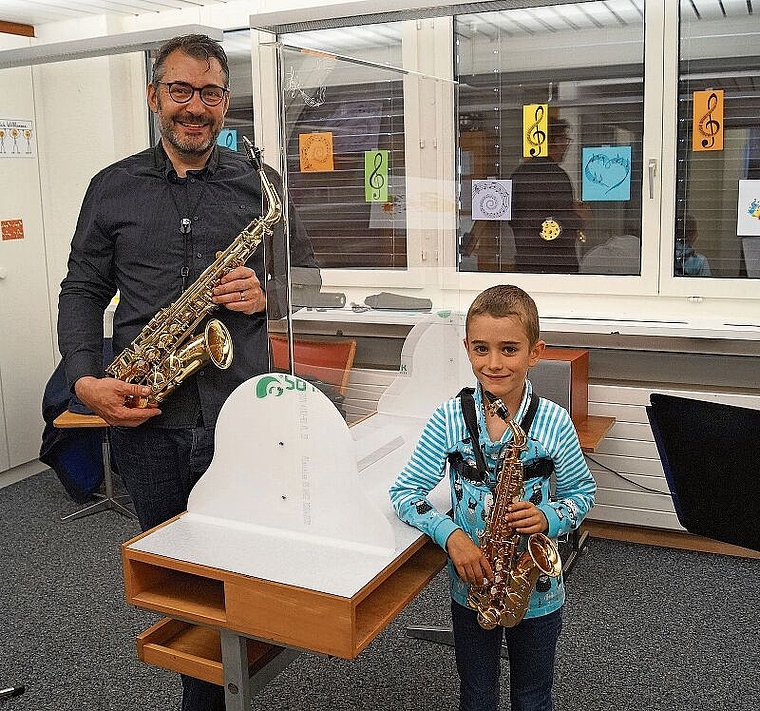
502 343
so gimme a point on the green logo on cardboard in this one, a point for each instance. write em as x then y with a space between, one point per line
277 385
269 386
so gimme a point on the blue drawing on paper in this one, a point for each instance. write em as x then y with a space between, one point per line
607 173
228 137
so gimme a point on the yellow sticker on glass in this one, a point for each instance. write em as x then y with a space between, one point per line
535 130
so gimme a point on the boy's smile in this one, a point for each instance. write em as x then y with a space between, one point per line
501 355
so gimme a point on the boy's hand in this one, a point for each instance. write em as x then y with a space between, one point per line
525 518
471 565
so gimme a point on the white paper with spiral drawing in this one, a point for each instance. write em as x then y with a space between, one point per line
491 199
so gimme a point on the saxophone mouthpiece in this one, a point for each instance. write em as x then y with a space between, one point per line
254 154
495 405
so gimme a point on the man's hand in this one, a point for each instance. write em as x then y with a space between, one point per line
106 396
240 290
525 518
471 565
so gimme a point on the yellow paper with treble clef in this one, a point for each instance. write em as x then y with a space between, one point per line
535 130
707 122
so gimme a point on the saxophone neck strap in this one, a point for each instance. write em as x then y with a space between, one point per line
467 399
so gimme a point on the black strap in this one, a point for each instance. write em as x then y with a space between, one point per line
466 396
467 399
527 421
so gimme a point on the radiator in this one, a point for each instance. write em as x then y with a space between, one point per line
631 483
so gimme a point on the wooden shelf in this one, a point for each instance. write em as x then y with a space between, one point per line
592 431
195 650
155 586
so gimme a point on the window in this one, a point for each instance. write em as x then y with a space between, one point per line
717 229
576 207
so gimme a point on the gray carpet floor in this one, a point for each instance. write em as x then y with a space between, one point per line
646 629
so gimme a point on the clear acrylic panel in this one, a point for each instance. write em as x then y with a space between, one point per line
369 198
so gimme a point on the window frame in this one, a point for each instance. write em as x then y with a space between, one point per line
428 46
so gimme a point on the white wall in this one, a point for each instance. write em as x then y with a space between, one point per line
26 349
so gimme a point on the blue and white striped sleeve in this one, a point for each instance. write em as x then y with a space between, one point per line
575 486
423 472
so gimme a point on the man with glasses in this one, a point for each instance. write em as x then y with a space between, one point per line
149 225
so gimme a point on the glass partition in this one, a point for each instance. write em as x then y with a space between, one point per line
717 230
362 194
335 112
551 122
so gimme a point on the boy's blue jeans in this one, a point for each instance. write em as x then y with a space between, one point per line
532 647
159 467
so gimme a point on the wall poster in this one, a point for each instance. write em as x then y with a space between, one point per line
606 173
17 139
748 209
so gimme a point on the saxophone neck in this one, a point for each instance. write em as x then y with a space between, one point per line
274 209
496 406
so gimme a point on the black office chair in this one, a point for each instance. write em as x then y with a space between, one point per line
710 454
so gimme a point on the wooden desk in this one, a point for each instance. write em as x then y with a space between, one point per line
228 628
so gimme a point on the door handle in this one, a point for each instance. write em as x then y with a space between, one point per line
652 174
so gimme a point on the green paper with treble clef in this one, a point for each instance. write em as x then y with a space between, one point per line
707 122
376 176
535 130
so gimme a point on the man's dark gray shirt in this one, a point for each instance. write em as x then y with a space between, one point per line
128 237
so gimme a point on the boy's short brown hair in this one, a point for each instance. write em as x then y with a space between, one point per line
507 300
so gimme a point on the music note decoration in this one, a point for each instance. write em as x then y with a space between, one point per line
606 173
316 152
535 130
376 176
707 120
491 199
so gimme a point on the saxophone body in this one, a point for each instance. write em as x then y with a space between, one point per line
165 353
505 600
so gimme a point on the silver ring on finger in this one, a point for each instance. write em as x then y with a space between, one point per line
242 296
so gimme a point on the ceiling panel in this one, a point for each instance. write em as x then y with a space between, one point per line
38 12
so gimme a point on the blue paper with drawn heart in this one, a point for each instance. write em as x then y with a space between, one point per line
606 173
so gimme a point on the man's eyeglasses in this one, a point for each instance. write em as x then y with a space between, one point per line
181 92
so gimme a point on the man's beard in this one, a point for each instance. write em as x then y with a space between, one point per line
192 147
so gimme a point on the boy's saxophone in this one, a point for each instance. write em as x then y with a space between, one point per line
162 356
505 600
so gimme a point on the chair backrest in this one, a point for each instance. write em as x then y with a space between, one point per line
711 458
329 360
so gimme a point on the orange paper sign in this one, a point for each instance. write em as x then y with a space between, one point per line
707 121
12 229
316 152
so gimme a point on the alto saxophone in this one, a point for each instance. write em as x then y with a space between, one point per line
505 600
162 356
